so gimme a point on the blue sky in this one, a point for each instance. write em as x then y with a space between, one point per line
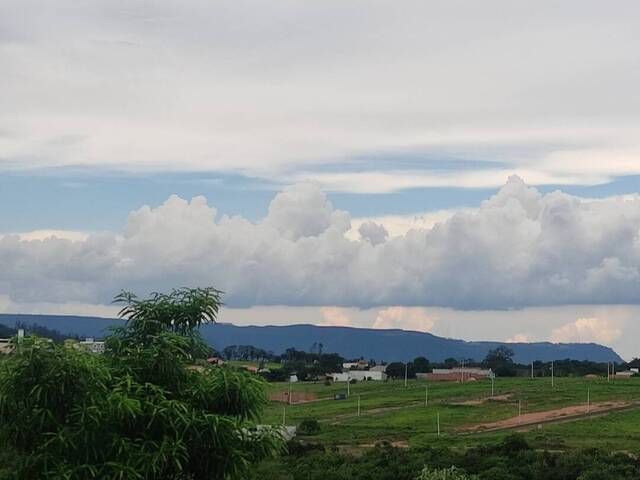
94 201
458 167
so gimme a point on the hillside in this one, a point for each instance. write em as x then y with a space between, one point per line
382 345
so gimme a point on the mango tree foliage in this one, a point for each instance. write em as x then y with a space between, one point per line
138 411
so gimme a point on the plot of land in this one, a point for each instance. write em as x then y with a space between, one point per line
467 412
546 416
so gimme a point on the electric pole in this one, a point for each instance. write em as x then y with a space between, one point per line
406 371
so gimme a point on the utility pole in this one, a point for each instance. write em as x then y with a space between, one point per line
348 385
588 400
358 405
531 370
426 396
406 371
284 416
438 422
519 411
492 380
290 402
462 371
608 373
552 379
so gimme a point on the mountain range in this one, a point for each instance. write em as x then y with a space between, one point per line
381 345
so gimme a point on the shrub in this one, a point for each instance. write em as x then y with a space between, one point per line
309 426
451 473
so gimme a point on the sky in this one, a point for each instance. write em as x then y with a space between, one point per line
470 169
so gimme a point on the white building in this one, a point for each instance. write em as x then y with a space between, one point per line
359 375
92 346
359 365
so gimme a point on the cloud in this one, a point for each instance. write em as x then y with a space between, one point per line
336 316
520 338
373 232
407 318
519 248
587 330
270 91
399 225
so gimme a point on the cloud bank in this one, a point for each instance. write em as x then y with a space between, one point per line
519 248
283 89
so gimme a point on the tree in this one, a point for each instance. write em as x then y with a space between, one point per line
421 364
500 361
397 370
450 362
138 412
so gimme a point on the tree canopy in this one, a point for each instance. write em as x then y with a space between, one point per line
137 412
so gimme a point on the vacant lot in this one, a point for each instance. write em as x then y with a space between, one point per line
391 412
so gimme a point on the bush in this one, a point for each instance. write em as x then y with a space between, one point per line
451 473
309 426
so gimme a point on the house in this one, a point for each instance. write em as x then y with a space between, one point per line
379 368
359 365
359 375
339 377
90 345
6 346
293 379
459 374
626 374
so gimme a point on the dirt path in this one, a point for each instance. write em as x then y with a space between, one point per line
547 416
369 412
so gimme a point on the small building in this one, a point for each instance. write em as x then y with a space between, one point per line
379 368
359 365
359 375
90 345
339 377
293 379
625 374
6 346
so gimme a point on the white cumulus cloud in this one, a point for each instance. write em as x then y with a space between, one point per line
587 330
336 316
519 248
407 318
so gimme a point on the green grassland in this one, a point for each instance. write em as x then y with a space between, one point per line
391 412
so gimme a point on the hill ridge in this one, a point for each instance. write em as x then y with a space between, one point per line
348 341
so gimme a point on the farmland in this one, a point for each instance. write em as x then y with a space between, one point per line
391 412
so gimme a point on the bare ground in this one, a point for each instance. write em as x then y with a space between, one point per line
535 418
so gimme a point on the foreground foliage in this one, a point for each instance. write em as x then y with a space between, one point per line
138 412
511 459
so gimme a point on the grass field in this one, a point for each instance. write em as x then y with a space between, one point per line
389 411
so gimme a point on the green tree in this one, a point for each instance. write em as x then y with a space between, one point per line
500 361
421 364
138 412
